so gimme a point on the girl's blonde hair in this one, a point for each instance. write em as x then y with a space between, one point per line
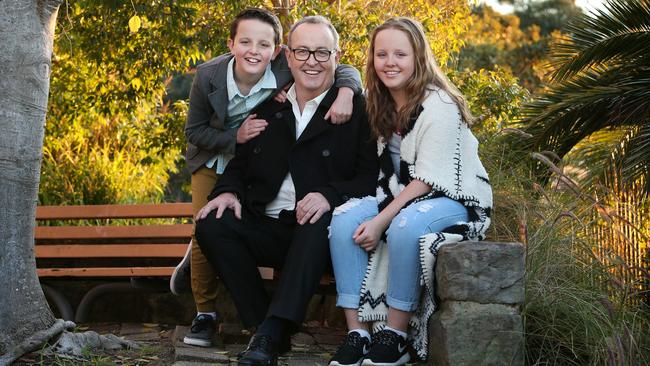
384 119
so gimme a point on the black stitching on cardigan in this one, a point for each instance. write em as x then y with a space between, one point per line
367 298
457 156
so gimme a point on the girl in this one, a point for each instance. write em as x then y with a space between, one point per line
432 190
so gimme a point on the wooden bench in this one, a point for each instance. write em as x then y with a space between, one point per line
89 242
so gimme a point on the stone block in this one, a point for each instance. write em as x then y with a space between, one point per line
197 354
482 272
467 333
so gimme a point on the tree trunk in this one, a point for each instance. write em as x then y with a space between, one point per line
26 38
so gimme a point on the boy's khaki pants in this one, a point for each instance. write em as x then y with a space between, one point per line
204 279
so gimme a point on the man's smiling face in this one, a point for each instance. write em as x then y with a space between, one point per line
312 77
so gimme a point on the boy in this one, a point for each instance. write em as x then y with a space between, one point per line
224 91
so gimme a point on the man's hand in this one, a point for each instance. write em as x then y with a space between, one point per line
220 204
341 110
311 208
367 234
251 127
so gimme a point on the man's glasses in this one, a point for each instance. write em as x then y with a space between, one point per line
302 54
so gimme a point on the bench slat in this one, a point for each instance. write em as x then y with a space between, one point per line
111 251
267 273
171 241
114 232
105 272
114 211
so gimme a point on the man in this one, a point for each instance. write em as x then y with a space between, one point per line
272 206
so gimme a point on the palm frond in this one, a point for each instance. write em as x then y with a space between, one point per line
606 157
618 33
576 108
635 157
601 83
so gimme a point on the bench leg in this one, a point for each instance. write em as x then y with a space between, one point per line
62 304
85 305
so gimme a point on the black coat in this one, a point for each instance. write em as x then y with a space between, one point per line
339 161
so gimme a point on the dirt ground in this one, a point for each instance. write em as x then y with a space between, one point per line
162 345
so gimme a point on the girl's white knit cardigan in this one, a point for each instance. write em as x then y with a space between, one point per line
441 151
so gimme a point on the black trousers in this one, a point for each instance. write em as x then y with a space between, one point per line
235 248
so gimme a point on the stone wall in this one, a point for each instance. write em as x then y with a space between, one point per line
480 286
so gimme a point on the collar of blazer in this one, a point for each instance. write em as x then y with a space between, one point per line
219 95
316 125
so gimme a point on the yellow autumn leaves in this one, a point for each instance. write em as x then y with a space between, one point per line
134 24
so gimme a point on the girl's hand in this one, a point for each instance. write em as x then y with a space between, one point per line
367 234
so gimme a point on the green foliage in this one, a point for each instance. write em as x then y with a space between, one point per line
549 15
602 82
501 41
444 22
494 96
111 134
578 310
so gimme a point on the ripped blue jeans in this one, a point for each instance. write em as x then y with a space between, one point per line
350 260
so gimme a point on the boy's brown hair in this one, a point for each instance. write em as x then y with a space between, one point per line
262 15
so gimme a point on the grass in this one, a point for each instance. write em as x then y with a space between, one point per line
578 310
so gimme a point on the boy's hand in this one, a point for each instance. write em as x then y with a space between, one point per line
281 97
251 127
341 110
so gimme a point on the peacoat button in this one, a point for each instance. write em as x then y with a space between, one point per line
325 153
257 150
249 187
345 198
278 115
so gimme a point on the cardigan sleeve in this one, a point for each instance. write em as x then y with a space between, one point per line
437 144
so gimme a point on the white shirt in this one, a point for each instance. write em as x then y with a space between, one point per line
286 198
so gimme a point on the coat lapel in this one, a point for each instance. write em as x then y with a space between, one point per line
219 97
318 124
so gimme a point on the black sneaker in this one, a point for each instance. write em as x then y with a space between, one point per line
388 349
261 351
201 331
181 281
351 351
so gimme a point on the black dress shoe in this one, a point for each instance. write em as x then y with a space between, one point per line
261 351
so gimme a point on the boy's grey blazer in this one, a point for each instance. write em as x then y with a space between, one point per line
205 131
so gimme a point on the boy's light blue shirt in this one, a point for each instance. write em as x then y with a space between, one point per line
240 106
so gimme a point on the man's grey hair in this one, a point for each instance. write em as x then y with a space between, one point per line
315 19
